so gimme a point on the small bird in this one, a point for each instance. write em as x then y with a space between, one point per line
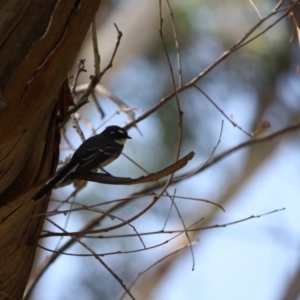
96 152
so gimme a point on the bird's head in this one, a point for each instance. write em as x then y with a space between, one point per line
117 133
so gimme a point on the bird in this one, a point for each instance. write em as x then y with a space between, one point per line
96 152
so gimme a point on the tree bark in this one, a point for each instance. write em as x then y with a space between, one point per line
39 41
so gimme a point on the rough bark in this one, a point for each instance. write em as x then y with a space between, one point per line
39 41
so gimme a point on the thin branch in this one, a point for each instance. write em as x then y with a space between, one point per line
102 90
220 110
100 110
277 6
103 178
185 231
113 217
180 123
87 122
75 108
97 58
208 159
179 66
80 69
170 210
110 64
190 229
255 8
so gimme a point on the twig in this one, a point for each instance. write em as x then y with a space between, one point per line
75 108
87 122
180 123
102 90
170 210
103 178
208 159
80 68
95 100
97 58
176 44
220 110
185 231
113 217
110 64
190 229
255 8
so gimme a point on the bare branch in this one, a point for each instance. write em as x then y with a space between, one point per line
103 178
176 44
180 123
255 8
221 111
110 64
97 59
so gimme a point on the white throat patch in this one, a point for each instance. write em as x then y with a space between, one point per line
120 141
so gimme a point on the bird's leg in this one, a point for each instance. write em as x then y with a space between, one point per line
105 172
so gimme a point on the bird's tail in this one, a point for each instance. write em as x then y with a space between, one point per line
62 174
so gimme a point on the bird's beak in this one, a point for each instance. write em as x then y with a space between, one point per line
129 137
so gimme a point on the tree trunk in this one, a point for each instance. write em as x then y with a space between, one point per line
39 43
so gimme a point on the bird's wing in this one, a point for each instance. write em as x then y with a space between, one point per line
95 156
